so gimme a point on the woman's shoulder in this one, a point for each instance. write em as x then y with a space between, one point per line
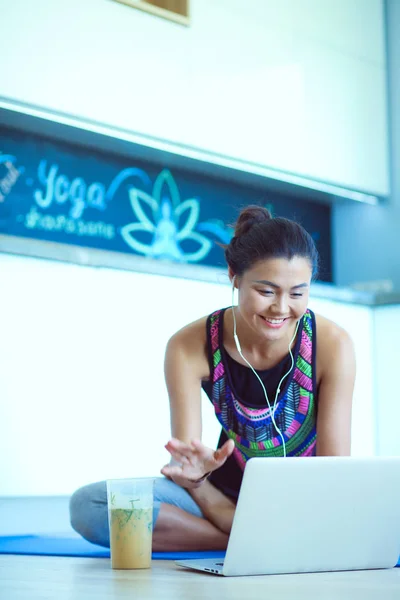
188 331
188 346
194 332
329 331
191 338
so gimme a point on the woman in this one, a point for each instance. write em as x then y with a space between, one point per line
261 366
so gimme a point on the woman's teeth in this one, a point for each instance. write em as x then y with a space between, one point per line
274 321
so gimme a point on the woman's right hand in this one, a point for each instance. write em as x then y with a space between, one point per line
191 463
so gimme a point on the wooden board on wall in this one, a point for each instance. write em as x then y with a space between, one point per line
173 10
177 6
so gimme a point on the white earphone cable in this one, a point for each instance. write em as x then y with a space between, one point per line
271 410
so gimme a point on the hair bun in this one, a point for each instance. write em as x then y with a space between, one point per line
251 215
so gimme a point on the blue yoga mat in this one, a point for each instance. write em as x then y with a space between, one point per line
74 546
62 546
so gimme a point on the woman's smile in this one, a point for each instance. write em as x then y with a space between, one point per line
274 323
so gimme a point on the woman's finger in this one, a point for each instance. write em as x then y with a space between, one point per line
204 452
214 458
200 447
193 454
178 457
179 475
172 471
179 446
225 451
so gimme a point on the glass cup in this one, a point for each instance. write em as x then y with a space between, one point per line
130 521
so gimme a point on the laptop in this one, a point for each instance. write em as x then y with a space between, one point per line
311 514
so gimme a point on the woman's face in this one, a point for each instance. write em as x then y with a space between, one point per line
273 296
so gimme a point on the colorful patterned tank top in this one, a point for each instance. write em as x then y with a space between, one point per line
252 429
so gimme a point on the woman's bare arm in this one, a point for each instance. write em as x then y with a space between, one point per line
186 365
336 363
184 369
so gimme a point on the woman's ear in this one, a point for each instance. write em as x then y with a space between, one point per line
232 277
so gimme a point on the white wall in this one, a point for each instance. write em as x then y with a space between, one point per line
297 85
81 371
386 369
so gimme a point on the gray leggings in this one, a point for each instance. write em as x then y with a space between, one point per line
88 508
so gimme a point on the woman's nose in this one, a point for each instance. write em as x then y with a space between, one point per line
281 304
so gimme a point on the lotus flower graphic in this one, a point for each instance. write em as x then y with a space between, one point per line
167 235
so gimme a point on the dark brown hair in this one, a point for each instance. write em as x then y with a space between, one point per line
259 236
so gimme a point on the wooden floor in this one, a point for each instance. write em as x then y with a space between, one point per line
58 578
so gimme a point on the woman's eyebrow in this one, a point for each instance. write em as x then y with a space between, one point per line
274 285
266 282
301 285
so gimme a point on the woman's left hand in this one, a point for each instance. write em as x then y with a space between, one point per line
192 462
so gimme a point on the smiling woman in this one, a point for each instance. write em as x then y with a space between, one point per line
265 375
